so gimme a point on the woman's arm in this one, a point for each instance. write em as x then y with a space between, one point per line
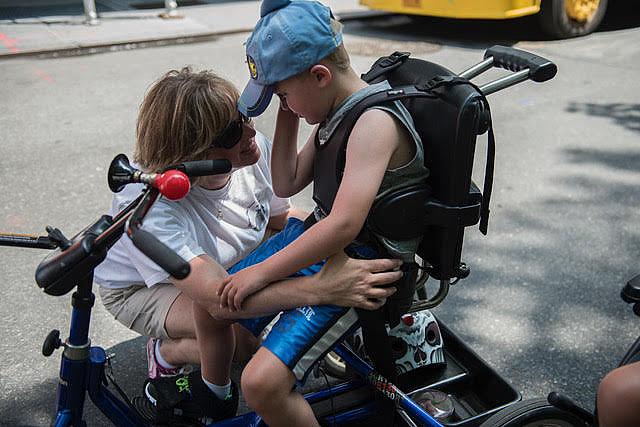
277 222
342 281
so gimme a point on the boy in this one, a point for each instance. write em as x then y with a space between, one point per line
296 52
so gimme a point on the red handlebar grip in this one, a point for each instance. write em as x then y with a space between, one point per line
173 184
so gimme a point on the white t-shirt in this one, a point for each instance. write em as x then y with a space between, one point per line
225 224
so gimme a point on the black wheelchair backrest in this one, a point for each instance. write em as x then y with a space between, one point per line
448 124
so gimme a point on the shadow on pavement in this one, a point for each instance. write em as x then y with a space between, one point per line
625 115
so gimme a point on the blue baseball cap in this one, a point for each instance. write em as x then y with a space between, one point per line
290 37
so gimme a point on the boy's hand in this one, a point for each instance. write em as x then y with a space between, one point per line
239 286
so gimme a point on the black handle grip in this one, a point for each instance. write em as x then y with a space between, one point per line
171 262
509 58
205 167
54 269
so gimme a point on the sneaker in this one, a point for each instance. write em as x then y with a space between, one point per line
187 397
154 369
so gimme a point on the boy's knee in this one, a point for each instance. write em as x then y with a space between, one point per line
258 387
262 384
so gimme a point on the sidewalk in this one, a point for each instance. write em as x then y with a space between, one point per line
65 33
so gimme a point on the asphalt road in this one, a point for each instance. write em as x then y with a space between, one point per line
541 304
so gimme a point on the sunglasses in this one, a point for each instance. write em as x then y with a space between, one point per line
231 135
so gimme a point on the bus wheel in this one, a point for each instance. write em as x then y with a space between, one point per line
571 18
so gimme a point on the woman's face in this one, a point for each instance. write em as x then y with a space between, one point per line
245 152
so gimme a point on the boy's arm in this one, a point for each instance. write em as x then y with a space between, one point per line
372 142
291 171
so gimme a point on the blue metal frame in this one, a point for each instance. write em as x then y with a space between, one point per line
82 371
88 374
85 374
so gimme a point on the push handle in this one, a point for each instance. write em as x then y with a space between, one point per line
509 58
171 262
202 167
207 167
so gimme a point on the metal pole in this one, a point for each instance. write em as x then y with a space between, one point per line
171 7
505 82
477 69
91 17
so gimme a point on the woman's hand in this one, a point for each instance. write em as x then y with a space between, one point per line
358 283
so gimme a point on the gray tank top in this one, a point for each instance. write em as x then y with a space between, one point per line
412 173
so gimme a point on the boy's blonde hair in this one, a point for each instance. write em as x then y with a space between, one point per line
339 57
180 117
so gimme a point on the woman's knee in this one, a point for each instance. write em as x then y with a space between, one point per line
265 379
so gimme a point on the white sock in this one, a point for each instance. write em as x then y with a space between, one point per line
222 392
160 359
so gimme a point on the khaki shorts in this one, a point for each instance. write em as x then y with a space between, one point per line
140 308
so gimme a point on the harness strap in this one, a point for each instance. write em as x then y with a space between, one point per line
488 182
377 342
448 81
385 64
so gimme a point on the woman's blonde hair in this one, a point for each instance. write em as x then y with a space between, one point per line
180 117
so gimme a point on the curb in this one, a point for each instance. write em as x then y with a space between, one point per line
90 49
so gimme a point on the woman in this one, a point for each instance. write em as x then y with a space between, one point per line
192 116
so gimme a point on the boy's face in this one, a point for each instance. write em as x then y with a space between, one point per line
303 95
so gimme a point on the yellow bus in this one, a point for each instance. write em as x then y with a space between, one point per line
558 18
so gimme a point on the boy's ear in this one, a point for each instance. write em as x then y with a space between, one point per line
321 74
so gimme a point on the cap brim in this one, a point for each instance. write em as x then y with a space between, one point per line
254 99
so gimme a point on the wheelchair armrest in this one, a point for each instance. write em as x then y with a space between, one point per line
400 215
407 213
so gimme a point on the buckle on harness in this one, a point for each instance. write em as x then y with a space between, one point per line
394 58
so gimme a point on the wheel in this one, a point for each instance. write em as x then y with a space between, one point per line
533 413
571 18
